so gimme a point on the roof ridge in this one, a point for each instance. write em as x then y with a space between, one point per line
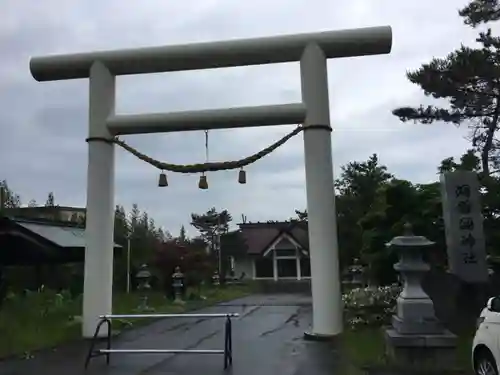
48 222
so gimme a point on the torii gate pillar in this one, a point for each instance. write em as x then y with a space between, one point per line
322 220
312 50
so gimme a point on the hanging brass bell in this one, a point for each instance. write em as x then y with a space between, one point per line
242 177
162 181
203 184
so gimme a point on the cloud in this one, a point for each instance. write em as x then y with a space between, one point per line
44 125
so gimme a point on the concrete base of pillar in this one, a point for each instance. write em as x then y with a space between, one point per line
310 336
179 301
412 327
422 351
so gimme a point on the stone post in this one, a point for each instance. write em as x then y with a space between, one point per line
178 285
416 336
463 220
356 273
143 277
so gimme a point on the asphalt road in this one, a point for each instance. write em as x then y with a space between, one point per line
267 340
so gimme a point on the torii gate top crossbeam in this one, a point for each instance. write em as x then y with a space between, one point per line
256 51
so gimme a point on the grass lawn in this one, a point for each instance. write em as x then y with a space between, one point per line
364 349
46 319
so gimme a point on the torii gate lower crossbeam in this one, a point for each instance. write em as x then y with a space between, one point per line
312 50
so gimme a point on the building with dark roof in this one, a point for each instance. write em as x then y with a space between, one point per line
53 213
41 241
269 250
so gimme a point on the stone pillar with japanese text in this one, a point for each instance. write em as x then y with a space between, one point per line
463 221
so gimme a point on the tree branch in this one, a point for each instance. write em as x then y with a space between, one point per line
480 11
430 114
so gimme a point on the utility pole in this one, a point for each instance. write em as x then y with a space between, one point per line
128 264
129 236
3 198
2 206
219 248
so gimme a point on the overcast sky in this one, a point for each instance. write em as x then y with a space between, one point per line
44 125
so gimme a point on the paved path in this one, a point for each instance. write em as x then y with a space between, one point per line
267 340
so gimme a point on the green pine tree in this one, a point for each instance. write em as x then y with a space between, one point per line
50 200
9 199
468 79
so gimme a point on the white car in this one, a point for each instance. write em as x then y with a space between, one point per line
486 344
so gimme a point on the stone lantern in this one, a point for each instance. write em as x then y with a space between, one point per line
143 277
415 310
178 284
356 273
216 278
416 335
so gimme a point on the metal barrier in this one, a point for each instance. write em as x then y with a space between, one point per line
106 319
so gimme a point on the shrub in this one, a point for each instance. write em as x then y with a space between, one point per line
193 260
45 301
370 306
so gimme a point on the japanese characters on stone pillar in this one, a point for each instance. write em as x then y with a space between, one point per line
464 226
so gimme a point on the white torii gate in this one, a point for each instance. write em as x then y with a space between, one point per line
312 50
